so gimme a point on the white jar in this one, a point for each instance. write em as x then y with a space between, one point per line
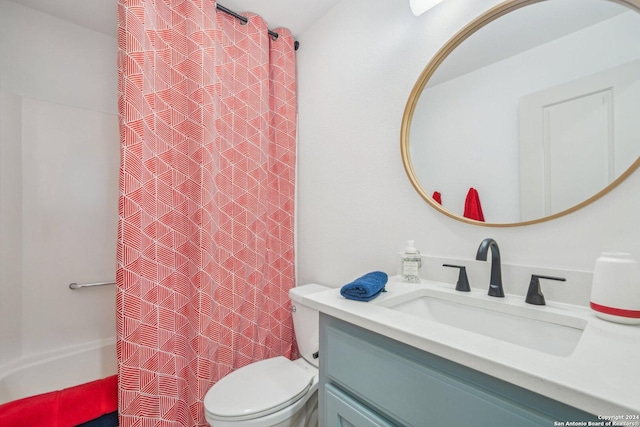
615 292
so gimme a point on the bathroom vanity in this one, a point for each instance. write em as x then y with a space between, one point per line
370 380
400 360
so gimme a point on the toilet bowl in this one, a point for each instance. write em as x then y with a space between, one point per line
275 392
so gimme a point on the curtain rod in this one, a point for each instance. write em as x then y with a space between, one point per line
245 20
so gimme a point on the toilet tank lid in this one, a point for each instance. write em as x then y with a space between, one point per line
298 292
258 389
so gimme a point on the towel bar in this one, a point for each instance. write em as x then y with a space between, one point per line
87 285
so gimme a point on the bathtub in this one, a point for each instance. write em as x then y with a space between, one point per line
58 370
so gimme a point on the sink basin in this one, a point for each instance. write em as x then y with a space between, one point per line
543 329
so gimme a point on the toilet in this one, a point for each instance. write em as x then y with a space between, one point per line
275 392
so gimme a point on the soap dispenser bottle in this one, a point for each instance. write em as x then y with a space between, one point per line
410 264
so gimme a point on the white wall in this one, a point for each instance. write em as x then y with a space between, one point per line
10 226
59 164
356 207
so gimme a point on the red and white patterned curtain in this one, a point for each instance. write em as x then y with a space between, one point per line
205 246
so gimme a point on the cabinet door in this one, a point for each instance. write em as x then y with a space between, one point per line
344 411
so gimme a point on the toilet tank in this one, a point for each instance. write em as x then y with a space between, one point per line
305 321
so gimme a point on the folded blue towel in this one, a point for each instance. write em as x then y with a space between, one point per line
365 288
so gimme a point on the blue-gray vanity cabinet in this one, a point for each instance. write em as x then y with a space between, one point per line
369 380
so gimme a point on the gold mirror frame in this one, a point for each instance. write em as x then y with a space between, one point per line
478 23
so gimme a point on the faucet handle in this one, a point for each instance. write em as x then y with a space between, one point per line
534 294
462 284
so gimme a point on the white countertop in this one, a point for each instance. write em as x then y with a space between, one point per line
601 376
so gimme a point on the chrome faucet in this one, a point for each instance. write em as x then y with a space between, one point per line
495 283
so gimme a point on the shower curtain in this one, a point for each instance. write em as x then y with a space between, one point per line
205 246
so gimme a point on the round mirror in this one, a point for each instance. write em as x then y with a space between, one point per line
529 113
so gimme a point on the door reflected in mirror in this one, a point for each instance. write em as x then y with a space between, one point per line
536 110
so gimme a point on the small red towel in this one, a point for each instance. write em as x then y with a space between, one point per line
63 408
437 197
31 411
472 206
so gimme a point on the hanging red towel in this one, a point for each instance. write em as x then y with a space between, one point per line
472 206
437 197
63 408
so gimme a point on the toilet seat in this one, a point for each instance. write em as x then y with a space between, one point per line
257 390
